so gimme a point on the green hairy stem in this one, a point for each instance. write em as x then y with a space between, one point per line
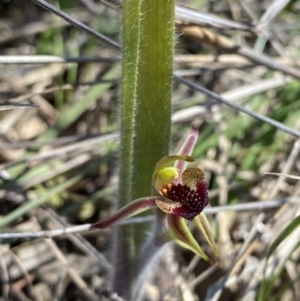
148 46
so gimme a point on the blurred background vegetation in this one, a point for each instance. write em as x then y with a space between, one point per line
59 162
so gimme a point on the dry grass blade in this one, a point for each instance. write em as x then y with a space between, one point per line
76 23
188 15
51 59
258 116
283 175
209 211
89 294
13 106
220 41
272 11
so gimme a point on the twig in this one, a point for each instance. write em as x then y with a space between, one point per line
76 23
276 188
283 175
51 59
228 60
77 279
39 143
272 11
92 7
48 233
188 15
255 115
62 151
220 286
62 87
208 211
233 95
66 166
4 276
4 107
222 42
78 240
25 272
203 276
209 36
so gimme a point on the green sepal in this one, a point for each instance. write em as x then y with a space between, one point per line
204 226
181 234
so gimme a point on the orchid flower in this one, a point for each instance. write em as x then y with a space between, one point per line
181 193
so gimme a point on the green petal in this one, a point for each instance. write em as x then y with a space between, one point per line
182 235
205 228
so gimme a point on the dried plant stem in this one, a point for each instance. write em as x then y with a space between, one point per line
208 211
76 23
240 108
222 42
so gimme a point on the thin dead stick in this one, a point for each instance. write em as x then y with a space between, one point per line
77 279
4 276
204 34
62 151
66 166
272 11
91 6
4 107
25 272
197 31
76 23
188 15
222 42
286 169
78 240
43 22
208 211
48 233
51 59
284 175
255 115
59 88
218 288
232 95
204 275
39 143
223 59
227 60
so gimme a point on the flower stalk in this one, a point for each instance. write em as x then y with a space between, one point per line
147 63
